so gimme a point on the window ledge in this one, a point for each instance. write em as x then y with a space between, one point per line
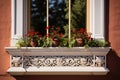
58 50
58 61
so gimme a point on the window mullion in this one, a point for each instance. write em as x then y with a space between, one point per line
47 30
69 22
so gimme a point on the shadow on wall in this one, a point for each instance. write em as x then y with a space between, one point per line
113 63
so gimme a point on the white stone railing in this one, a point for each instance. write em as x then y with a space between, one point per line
54 60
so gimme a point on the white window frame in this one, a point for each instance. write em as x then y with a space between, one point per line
97 19
19 19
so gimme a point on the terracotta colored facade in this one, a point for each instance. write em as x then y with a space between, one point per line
113 35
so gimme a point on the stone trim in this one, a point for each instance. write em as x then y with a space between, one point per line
77 60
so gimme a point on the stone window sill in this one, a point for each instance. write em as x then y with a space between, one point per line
58 61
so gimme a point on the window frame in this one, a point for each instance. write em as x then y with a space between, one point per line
95 19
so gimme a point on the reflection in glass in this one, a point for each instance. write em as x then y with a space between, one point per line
58 14
38 15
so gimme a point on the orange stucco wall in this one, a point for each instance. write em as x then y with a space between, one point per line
5 31
114 25
112 30
5 27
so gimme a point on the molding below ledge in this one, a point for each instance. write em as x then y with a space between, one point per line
59 71
56 52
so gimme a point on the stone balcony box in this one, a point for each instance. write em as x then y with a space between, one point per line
58 61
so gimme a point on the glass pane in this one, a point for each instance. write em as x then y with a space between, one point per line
57 14
78 13
38 16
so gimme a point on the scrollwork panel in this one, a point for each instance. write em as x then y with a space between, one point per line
39 61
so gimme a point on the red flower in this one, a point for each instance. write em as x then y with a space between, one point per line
55 32
39 35
58 28
33 34
61 34
47 27
30 33
88 37
82 30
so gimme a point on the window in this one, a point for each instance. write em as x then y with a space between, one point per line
37 60
95 18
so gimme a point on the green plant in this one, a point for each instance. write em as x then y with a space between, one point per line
97 43
57 38
47 42
20 43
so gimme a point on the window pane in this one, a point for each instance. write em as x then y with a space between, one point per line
57 13
78 13
38 15
52 19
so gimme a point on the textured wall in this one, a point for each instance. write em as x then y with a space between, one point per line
113 32
114 25
5 29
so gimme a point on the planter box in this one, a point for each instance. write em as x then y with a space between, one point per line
58 61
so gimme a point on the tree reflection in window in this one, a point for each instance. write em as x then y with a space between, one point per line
38 15
58 14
